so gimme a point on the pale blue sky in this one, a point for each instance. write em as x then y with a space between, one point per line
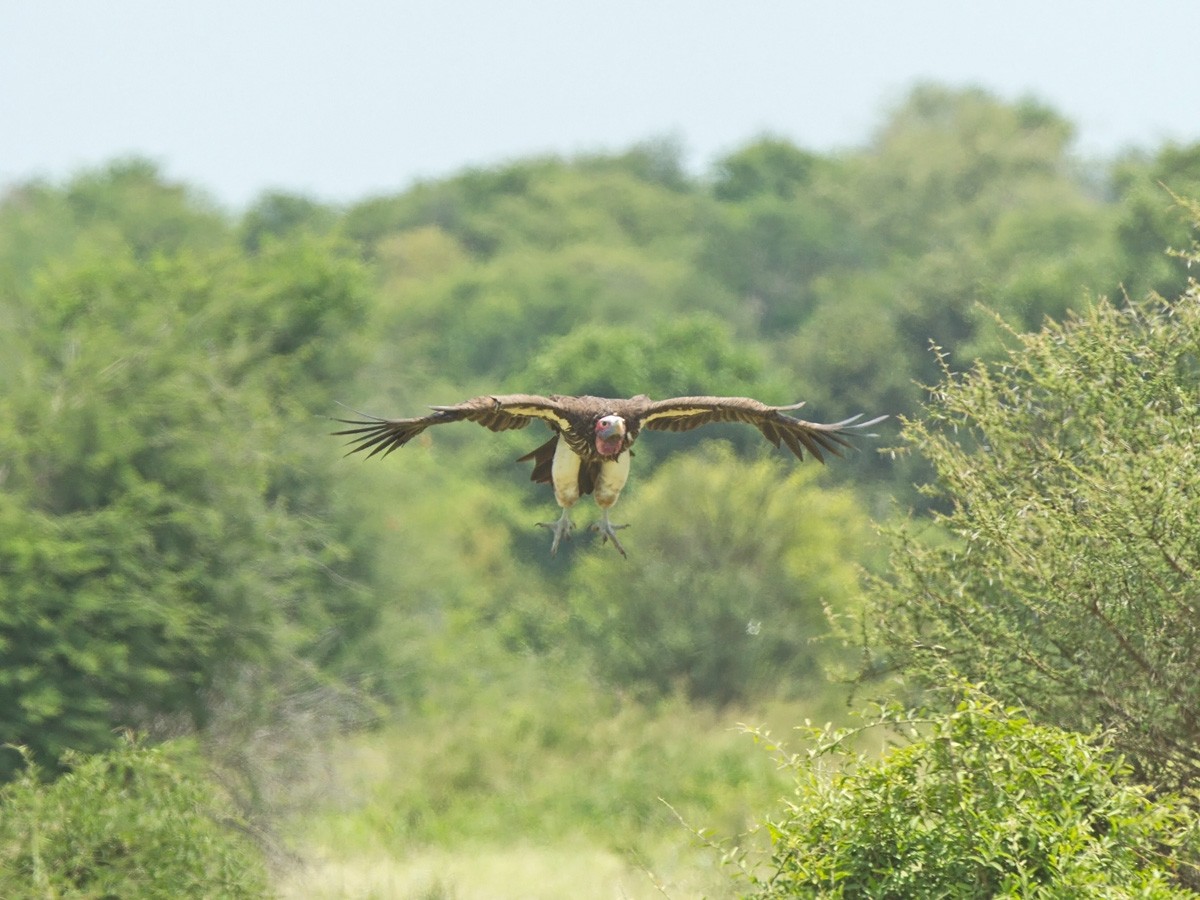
340 100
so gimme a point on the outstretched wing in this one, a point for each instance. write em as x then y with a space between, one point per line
686 413
494 413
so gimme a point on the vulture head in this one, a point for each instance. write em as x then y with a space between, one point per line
610 435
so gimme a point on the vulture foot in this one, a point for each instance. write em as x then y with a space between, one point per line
608 531
562 529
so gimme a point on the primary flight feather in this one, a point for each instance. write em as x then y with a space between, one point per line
589 450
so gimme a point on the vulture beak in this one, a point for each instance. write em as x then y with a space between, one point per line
610 435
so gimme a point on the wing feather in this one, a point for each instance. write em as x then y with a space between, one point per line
496 413
543 461
686 413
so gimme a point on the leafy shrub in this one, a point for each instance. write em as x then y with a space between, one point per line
1071 485
133 822
981 803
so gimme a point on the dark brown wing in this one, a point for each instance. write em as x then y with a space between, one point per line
499 413
686 413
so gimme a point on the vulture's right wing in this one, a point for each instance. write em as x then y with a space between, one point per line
498 413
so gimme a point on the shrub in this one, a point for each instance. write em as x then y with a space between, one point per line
133 822
1070 484
980 803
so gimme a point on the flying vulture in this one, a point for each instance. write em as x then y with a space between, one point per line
590 450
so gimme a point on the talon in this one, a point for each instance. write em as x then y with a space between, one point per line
562 529
608 532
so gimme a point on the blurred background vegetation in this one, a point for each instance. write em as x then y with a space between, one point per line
377 667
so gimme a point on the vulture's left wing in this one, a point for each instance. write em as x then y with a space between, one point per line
686 413
498 413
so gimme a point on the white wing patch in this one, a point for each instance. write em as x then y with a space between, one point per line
676 413
539 412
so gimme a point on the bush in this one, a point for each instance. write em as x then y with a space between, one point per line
133 822
1067 576
981 803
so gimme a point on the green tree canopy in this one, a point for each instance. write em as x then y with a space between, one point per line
696 354
162 525
725 595
770 166
1151 220
1071 485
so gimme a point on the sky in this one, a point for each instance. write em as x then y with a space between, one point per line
348 99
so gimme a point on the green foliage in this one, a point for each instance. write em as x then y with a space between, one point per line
126 207
276 216
980 803
568 250
133 822
658 161
1152 219
964 199
680 357
489 321
153 542
461 592
181 546
724 596
1072 485
540 750
947 162
542 203
770 166
124 561
772 251
781 230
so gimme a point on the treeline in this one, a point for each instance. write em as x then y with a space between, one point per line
182 550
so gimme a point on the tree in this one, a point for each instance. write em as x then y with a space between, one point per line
277 215
690 355
126 206
779 231
1065 570
1151 220
725 595
160 530
852 267
140 209
980 803
770 166
947 162
771 252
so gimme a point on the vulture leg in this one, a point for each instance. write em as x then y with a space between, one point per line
613 475
562 529
608 531
564 474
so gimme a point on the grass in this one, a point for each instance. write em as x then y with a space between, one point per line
498 872
541 784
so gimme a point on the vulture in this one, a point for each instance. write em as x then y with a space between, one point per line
589 451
